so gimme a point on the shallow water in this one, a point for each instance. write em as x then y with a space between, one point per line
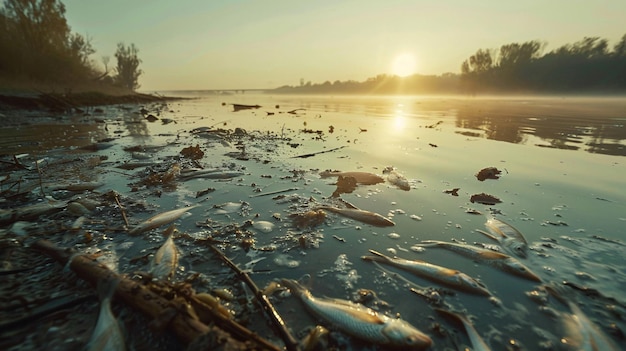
562 186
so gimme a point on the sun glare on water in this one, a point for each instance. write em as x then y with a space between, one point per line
403 65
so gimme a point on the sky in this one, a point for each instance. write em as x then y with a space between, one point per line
238 44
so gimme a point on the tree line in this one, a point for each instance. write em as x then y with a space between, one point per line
588 65
38 46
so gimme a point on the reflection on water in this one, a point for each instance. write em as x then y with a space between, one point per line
594 125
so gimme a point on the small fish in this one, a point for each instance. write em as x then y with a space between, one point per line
495 259
360 321
214 173
364 178
478 344
446 276
165 259
580 332
508 237
368 217
159 220
107 334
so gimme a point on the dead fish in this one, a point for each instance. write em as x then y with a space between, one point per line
107 334
485 199
165 260
30 212
580 332
76 187
364 178
398 180
477 342
445 276
368 217
159 220
496 259
215 173
508 237
360 321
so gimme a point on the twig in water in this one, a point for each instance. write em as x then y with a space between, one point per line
290 342
40 182
275 192
319 152
117 200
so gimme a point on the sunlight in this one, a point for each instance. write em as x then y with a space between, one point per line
403 65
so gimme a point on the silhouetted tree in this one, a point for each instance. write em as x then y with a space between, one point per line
37 43
128 71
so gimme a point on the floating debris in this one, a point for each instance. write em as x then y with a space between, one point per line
485 199
488 173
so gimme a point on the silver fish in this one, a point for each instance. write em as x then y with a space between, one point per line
581 333
165 260
443 275
478 344
159 220
367 217
360 321
107 334
508 237
492 258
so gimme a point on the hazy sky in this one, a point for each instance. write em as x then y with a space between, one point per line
211 44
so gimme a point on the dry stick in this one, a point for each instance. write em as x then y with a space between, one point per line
117 200
290 342
319 152
40 182
186 327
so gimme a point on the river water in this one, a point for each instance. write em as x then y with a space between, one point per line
561 185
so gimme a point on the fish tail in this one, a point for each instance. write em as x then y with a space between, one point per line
429 243
378 257
107 287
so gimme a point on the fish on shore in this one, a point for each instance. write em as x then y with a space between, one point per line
159 220
361 322
498 260
446 276
107 334
364 178
476 341
364 216
507 236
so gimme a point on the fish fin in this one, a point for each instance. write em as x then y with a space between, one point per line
107 287
490 236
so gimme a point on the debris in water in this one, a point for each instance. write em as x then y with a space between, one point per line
485 199
488 173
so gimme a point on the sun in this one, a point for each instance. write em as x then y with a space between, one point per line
403 65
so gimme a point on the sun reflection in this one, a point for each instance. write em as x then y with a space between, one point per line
399 119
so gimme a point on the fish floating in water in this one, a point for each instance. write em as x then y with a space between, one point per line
159 220
580 332
364 216
446 276
360 321
477 342
107 334
165 260
496 259
508 237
